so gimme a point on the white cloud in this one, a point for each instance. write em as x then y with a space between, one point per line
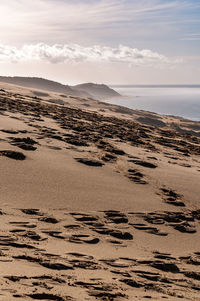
75 53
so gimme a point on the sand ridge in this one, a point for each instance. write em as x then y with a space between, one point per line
95 207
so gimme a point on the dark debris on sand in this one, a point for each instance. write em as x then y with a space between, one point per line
13 155
88 127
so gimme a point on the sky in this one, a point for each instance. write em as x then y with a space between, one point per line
102 41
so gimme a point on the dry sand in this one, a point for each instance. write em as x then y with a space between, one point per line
94 205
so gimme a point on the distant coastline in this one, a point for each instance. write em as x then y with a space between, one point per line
177 100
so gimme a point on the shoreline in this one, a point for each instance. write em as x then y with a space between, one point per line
145 99
148 111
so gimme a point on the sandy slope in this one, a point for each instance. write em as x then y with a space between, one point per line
95 207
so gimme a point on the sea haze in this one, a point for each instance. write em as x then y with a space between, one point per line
179 100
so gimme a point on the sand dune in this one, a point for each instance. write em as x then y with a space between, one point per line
83 90
95 205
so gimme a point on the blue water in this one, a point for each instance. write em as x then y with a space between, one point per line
183 101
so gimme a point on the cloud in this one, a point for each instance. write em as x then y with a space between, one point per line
86 21
191 37
57 53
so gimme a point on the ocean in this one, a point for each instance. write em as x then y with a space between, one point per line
183 101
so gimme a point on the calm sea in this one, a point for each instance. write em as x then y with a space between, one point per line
183 101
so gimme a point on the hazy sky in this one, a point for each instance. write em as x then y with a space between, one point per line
110 41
